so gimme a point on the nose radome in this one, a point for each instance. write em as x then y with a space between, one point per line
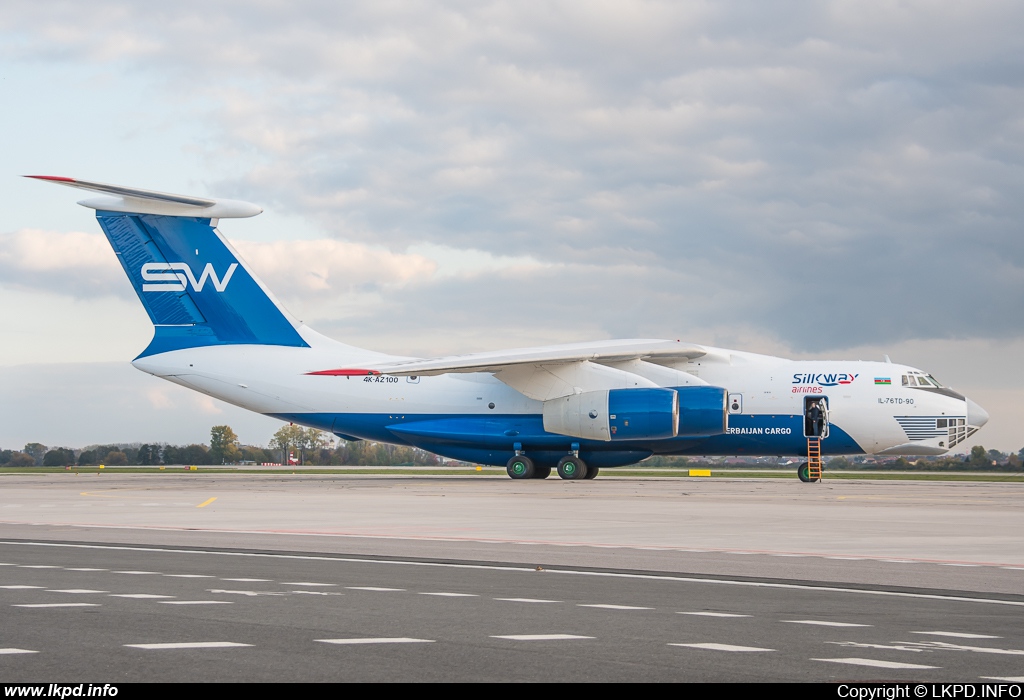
976 415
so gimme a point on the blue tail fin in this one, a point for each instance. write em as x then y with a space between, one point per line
195 288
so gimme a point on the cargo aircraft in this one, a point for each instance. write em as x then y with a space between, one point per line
576 408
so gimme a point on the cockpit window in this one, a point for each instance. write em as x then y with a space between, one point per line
916 379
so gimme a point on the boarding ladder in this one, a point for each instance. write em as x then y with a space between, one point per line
814 465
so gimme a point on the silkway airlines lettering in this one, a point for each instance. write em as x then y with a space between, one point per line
828 379
170 281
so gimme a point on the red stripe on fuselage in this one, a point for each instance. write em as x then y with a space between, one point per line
344 372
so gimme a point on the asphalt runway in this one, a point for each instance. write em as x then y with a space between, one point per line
311 578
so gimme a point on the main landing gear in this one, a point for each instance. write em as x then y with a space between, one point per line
522 467
569 467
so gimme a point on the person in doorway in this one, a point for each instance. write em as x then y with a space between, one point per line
817 418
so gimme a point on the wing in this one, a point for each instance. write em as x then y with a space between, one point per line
554 371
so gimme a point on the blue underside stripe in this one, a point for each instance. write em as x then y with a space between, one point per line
490 439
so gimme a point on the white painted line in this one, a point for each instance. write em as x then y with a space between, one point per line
138 595
826 623
720 647
875 663
505 567
960 647
266 580
528 600
197 602
538 637
139 573
453 595
188 645
961 635
18 588
612 607
311 583
376 640
712 614
86 568
800 556
194 576
317 593
1013 568
12 650
359 588
57 605
950 564
37 566
248 593
1008 679
73 590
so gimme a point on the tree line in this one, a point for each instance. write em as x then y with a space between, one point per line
291 445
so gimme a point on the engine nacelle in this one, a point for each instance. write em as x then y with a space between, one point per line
615 414
640 414
703 410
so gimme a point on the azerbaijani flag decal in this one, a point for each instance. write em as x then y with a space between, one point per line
884 381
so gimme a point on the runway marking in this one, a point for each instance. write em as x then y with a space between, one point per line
207 502
73 590
712 614
56 605
1013 568
946 646
377 640
253 580
1008 679
612 607
138 595
188 645
500 567
368 588
18 588
712 646
453 595
197 602
538 637
318 592
875 663
246 593
12 650
86 568
528 600
194 576
963 635
310 583
826 623
37 566
139 573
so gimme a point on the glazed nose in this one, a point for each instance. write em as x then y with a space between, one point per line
976 415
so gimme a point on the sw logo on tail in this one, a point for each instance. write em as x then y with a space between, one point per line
175 281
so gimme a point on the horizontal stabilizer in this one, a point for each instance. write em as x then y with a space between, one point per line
132 200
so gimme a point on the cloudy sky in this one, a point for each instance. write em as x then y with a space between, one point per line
811 179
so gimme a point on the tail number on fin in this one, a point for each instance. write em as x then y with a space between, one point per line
167 280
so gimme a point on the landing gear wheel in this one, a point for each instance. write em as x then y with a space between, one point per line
520 467
591 472
572 468
804 472
541 472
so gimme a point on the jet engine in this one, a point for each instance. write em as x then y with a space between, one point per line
638 414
